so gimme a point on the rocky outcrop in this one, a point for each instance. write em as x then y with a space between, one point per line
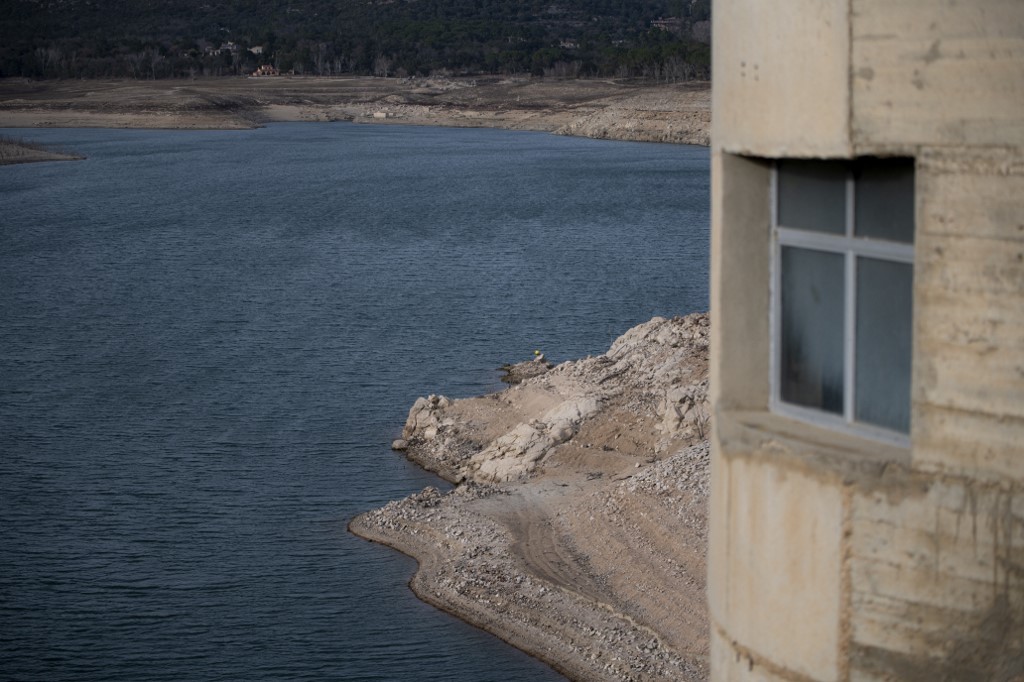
425 417
512 456
655 369
577 530
514 374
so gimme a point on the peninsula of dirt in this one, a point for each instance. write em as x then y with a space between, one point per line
16 150
620 110
577 527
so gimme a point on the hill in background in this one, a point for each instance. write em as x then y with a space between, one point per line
664 40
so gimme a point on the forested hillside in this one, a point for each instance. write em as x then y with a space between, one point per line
654 39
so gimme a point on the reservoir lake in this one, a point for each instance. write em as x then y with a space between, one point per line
208 340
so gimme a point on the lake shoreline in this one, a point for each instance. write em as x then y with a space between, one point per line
557 479
678 113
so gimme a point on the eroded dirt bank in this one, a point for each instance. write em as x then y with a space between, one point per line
14 151
679 113
577 530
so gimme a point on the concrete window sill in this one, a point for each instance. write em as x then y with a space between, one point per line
770 435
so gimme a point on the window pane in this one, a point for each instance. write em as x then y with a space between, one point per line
812 195
884 318
884 199
811 362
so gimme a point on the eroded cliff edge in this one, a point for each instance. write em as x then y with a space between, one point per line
577 528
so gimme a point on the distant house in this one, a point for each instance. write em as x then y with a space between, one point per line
266 70
867 373
225 48
256 49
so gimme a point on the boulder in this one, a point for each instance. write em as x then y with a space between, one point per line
425 417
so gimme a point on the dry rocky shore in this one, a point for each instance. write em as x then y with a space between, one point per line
577 527
679 112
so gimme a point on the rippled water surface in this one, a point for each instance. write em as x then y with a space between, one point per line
209 339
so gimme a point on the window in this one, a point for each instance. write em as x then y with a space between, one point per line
842 293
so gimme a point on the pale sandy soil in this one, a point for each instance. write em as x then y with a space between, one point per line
679 113
578 529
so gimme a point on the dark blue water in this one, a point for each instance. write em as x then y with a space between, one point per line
209 339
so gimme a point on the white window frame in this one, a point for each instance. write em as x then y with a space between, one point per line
850 248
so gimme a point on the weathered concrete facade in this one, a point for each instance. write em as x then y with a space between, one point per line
835 556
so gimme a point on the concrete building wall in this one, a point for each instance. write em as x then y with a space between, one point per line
936 73
782 600
835 556
781 77
969 381
935 586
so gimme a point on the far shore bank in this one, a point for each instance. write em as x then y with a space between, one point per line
577 529
677 113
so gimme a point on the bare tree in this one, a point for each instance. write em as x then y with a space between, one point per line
381 66
320 52
563 70
134 62
156 60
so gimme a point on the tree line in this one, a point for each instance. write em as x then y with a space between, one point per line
665 40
